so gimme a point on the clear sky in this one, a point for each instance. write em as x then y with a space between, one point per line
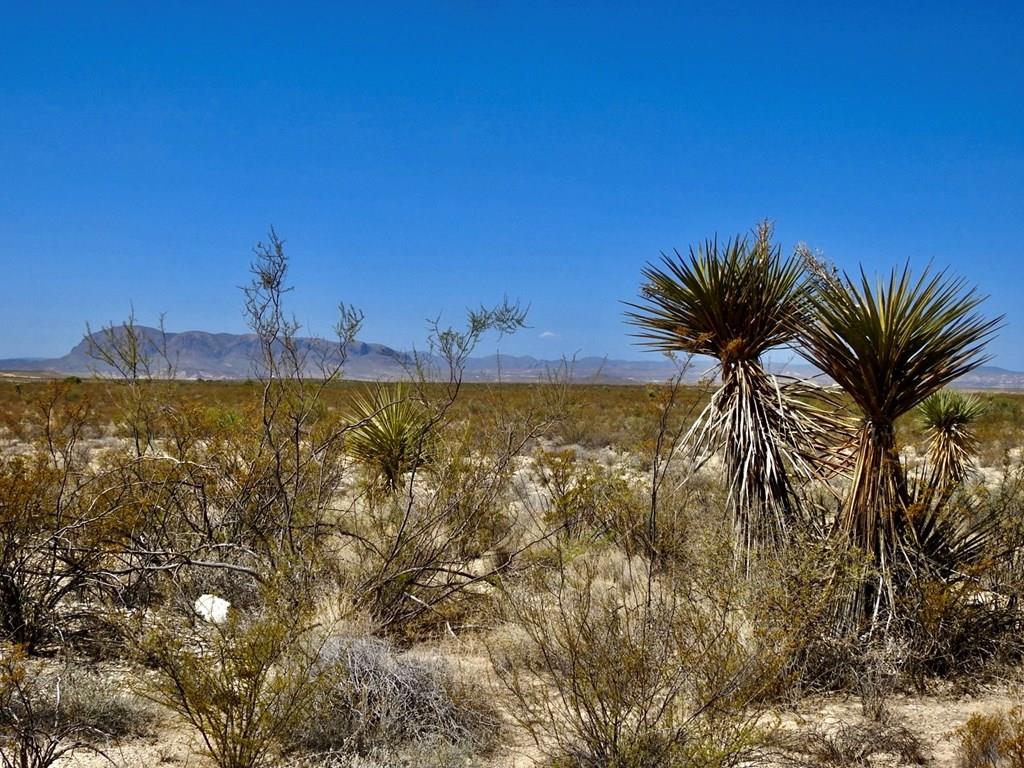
423 157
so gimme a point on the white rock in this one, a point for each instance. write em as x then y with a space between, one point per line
212 608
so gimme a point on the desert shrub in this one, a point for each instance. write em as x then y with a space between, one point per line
791 601
956 631
470 480
622 669
409 562
50 528
47 712
991 740
239 588
242 685
586 499
374 698
423 561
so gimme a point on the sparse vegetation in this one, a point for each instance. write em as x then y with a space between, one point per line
436 573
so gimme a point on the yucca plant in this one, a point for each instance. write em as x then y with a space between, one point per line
947 417
889 345
388 432
734 302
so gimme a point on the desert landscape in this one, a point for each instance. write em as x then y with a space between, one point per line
296 569
512 385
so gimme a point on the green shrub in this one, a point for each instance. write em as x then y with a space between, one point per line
243 685
609 666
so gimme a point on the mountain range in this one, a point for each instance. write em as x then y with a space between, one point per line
205 355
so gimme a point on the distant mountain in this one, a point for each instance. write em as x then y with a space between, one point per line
203 355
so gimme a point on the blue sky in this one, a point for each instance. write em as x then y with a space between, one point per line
419 158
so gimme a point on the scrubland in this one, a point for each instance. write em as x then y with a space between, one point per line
562 574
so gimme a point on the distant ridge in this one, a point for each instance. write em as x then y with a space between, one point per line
205 355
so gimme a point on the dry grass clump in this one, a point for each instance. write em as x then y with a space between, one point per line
859 744
373 697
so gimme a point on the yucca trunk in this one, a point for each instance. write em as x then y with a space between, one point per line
874 514
760 493
734 304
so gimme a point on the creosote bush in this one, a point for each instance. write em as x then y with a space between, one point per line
614 667
48 711
991 740
244 685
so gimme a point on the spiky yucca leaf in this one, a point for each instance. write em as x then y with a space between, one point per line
947 416
892 344
734 302
731 302
889 346
947 538
388 432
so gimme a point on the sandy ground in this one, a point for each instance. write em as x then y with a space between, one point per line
930 718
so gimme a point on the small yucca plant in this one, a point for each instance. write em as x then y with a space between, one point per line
388 432
947 416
